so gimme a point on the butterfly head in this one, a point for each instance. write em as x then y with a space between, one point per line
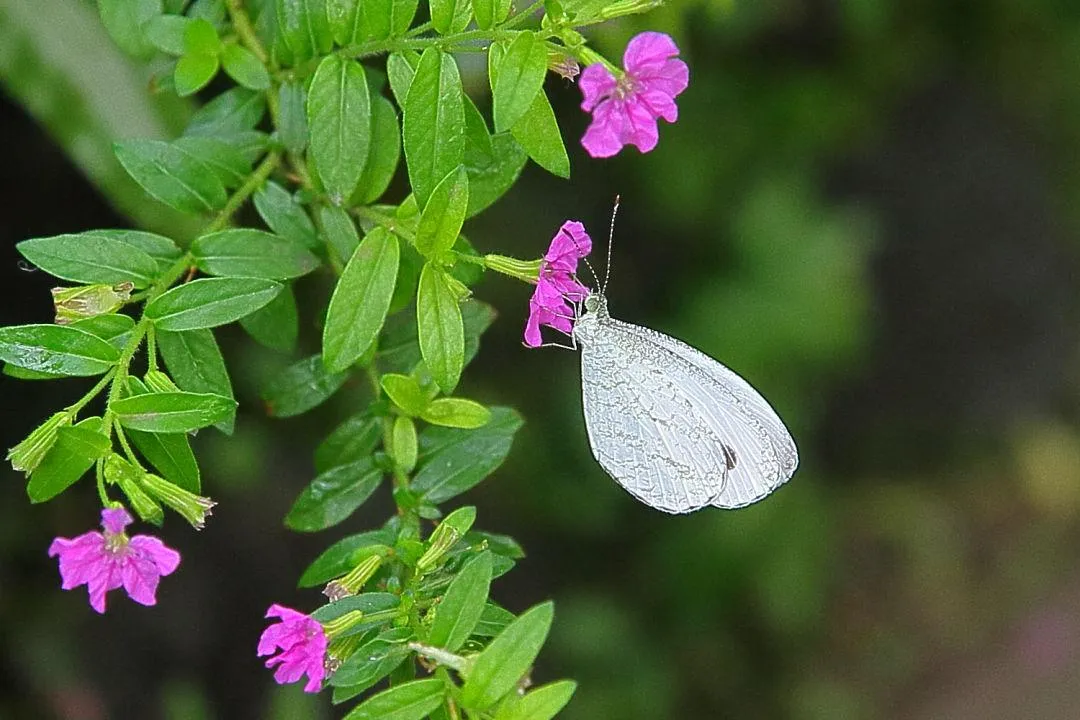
596 303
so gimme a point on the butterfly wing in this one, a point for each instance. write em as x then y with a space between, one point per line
644 427
724 431
750 481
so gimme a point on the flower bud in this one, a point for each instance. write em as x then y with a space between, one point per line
527 270
89 301
620 8
27 455
159 382
119 471
563 65
194 508
450 530
351 583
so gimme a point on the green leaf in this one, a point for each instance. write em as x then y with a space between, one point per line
233 111
209 302
292 116
372 661
194 72
59 349
443 215
171 175
369 602
114 329
342 556
276 324
405 392
166 33
492 621
334 495
305 27
440 328
409 701
450 16
90 259
460 609
538 133
300 387
399 348
126 20
339 118
173 412
361 299
403 444
243 67
74 452
162 249
196 365
541 703
507 658
171 455
339 230
225 159
384 155
352 440
520 77
490 12
252 253
400 69
434 122
346 19
456 413
453 460
201 38
280 211
387 18
493 164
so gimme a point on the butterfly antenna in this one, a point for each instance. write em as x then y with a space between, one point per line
610 241
588 264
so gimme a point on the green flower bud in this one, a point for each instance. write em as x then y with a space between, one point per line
527 270
450 530
620 8
159 382
563 65
194 508
119 471
89 301
27 455
351 583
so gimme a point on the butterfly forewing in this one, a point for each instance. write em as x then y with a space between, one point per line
673 426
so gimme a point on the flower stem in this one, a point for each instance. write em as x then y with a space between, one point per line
256 179
245 30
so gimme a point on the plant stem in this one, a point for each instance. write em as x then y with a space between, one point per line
245 30
257 178
75 408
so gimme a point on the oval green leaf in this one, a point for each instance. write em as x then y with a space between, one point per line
460 609
252 253
74 452
300 387
538 133
520 77
276 324
384 156
453 460
194 360
434 122
58 349
361 299
456 413
541 703
243 67
173 412
305 27
339 122
499 667
171 175
443 215
440 328
209 302
90 258
334 495
280 211
413 700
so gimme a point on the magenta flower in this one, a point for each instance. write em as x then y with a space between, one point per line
557 283
625 110
108 560
302 642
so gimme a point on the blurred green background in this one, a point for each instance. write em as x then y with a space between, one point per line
868 208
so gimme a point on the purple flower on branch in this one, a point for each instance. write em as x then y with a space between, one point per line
302 642
557 283
104 561
625 109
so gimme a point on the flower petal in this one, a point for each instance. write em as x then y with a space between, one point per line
596 83
570 244
602 138
115 519
647 52
639 129
163 557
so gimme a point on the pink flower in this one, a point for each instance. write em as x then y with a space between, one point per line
302 642
625 110
108 560
557 284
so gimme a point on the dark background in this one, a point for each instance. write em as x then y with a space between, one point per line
867 207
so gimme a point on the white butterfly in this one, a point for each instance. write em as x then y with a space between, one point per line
674 427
